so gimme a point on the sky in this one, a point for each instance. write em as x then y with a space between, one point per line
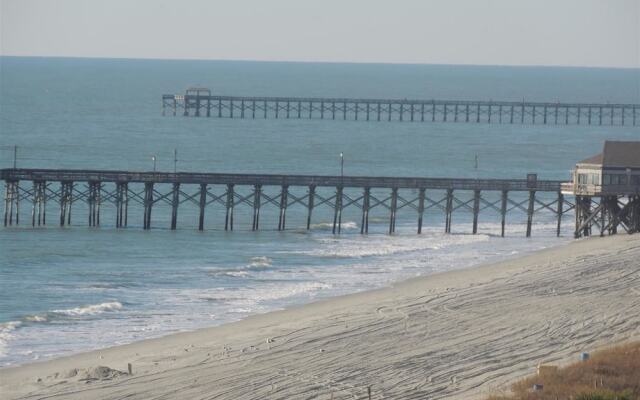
593 33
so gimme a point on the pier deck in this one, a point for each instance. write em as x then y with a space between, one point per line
416 194
204 104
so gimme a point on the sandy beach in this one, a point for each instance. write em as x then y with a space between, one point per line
461 334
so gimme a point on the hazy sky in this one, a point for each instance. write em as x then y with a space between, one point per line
512 32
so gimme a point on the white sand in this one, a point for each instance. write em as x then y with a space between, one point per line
460 335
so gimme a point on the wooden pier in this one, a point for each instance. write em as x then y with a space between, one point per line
201 103
120 189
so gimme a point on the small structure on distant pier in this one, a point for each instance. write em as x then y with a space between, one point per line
614 177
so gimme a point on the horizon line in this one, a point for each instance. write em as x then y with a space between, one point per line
318 62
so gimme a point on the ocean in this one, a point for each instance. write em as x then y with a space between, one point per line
66 290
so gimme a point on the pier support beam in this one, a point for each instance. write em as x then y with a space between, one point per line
448 211
421 197
530 210
63 206
393 211
228 220
11 197
503 211
337 211
118 201
257 197
175 202
122 200
476 210
310 204
559 211
201 205
39 203
148 204
635 214
584 216
70 203
94 203
65 201
605 211
284 195
366 203
613 213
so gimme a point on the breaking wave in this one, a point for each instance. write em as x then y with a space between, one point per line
91 309
255 264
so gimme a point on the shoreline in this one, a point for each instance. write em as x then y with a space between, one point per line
343 344
407 257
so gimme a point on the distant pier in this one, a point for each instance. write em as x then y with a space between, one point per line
200 102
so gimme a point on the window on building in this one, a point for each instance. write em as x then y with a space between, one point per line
622 179
614 179
606 179
595 179
582 179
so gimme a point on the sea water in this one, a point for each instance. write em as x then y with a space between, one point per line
65 290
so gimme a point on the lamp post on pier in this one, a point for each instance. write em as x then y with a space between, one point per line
153 158
175 161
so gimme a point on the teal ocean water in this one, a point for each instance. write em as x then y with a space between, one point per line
64 290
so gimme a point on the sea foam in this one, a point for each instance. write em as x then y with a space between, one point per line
91 309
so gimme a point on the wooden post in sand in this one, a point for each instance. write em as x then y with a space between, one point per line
448 211
503 211
421 197
476 210
530 210
560 212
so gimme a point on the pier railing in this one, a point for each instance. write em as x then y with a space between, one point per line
279 180
502 112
